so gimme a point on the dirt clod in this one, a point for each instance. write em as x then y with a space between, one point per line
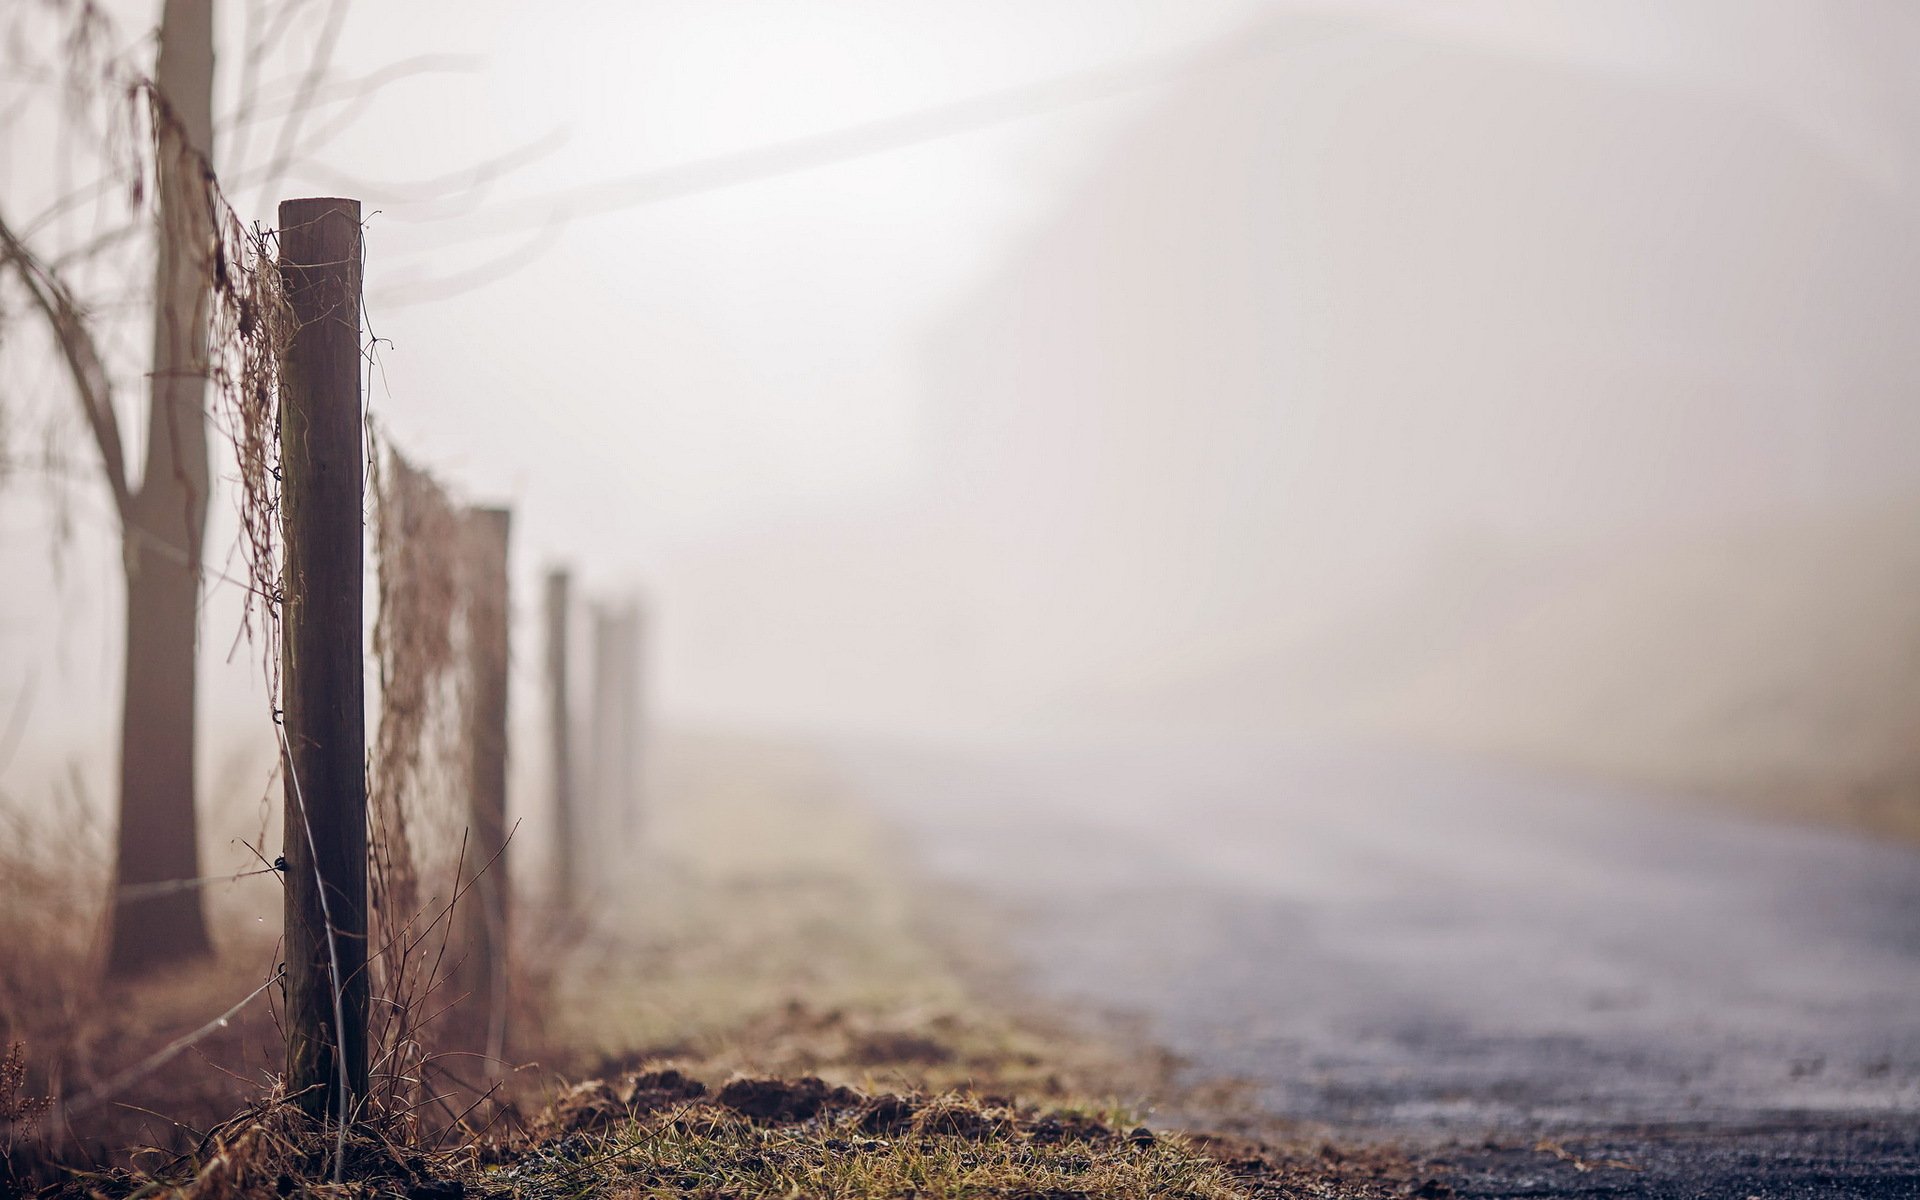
656 1090
1066 1126
892 1046
888 1113
958 1120
777 1101
591 1105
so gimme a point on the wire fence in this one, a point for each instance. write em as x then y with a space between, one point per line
167 887
424 864
118 1084
422 873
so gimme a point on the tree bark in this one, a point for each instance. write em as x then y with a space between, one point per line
158 838
164 525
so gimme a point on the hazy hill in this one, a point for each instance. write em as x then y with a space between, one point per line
1778 664
1318 316
1404 381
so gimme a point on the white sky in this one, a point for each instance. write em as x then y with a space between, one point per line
740 350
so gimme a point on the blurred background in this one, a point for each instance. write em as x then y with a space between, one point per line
1381 538
1530 380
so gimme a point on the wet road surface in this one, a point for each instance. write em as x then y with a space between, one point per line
1465 958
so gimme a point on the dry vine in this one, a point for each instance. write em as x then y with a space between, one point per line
422 865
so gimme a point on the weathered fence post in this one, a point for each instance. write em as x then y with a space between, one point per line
600 727
616 718
632 718
323 466
566 831
488 903
612 747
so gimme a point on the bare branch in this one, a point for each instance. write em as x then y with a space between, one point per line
424 288
356 92
91 384
289 137
74 199
461 187
97 245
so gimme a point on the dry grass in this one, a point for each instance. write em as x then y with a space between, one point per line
768 935
765 1138
781 936
773 931
129 1073
663 1134
139 1064
80 1036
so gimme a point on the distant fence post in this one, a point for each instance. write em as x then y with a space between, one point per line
323 466
566 831
613 750
600 734
632 719
488 903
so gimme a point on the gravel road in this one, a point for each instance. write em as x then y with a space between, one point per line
1467 959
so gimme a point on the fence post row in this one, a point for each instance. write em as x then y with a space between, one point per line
323 464
487 908
322 693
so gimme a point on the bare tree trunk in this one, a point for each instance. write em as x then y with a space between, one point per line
165 525
158 836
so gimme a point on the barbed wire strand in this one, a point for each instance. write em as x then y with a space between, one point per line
94 1096
167 887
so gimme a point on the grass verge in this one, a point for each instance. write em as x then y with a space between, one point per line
665 1134
759 1012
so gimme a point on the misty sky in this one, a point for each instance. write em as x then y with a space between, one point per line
744 401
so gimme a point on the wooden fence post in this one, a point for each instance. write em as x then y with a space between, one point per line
488 903
609 745
632 719
323 467
599 738
566 831
616 725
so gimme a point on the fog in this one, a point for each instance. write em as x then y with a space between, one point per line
1528 378
1376 540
